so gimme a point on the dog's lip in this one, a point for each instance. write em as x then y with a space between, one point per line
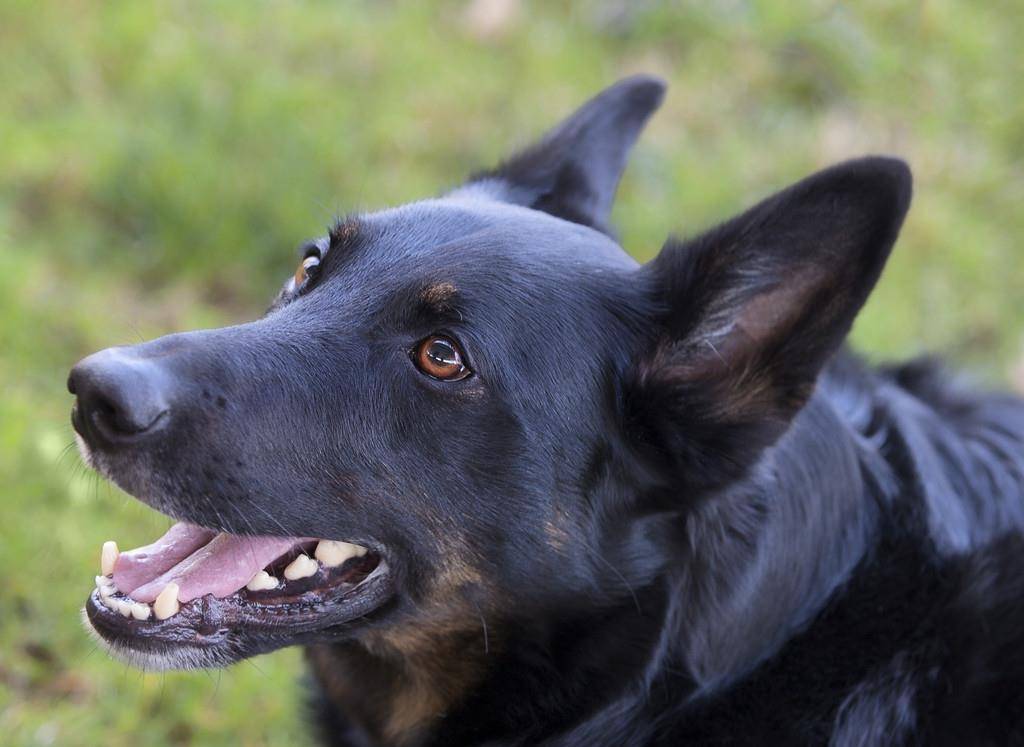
254 621
216 630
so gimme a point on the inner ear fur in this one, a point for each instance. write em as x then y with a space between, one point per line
752 310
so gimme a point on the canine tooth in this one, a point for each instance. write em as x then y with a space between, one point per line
124 607
166 603
261 582
107 591
302 567
333 553
102 581
108 556
140 610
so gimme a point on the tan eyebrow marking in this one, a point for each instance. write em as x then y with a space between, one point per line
343 232
438 294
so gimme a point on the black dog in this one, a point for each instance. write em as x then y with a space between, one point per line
568 500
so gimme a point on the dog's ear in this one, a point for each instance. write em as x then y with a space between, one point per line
574 170
751 311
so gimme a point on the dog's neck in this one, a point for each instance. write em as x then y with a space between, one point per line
756 565
387 699
392 686
762 560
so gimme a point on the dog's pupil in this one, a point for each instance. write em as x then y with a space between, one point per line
443 354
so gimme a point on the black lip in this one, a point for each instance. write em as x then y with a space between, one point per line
247 623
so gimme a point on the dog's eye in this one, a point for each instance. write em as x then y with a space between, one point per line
440 358
307 271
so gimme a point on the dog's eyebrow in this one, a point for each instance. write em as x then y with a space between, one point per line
343 231
438 295
439 300
426 302
341 237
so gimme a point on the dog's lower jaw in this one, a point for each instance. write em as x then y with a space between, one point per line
178 658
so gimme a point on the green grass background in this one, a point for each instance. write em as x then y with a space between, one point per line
159 163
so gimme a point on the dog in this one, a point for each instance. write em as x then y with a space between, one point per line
508 487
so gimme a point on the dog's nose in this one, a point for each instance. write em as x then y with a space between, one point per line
119 397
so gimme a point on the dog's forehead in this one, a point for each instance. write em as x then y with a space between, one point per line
471 226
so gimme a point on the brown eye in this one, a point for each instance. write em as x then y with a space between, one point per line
440 358
307 270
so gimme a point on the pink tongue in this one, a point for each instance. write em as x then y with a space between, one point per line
199 565
136 567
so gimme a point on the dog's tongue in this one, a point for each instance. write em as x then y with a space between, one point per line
199 560
143 564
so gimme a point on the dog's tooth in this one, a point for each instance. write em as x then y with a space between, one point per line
141 611
107 591
261 582
102 581
333 553
166 604
302 567
123 606
108 556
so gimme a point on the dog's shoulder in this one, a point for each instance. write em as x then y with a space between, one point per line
960 680
979 696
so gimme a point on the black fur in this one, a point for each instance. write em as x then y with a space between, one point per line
666 508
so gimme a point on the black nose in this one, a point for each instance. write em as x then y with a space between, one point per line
120 397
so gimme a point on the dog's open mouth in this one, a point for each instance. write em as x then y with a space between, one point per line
200 597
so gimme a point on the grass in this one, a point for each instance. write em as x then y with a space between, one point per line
159 164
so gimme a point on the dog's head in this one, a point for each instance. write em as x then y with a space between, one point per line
472 403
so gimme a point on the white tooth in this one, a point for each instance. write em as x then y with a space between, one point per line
123 606
106 599
140 610
108 556
302 567
333 553
261 582
107 591
166 603
102 581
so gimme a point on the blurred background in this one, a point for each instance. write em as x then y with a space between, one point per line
159 166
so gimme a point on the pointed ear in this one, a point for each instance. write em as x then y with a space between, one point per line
753 310
574 170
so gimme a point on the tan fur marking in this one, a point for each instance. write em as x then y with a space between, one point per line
324 662
345 231
438 294
401 679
